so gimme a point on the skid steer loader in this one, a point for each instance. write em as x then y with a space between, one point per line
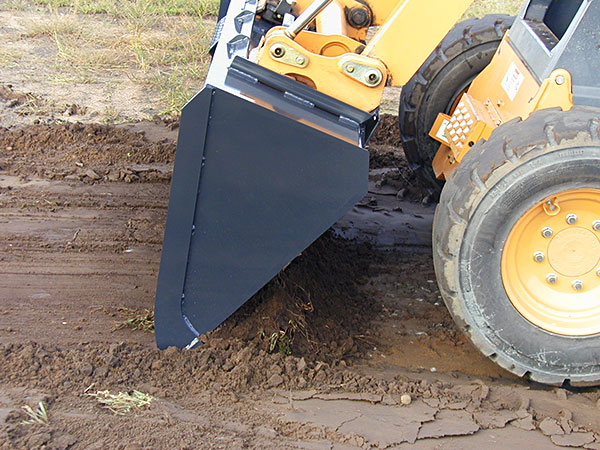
272 151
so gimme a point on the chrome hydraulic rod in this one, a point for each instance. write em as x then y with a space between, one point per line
306 17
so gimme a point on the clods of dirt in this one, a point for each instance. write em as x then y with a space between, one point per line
298 312
87 152
387 132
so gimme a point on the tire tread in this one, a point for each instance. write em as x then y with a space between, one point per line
509 146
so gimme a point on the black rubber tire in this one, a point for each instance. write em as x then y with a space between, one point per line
522 163
465 51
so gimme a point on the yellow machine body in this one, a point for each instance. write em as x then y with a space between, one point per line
336 60
504 90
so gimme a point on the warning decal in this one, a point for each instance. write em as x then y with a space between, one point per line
512 81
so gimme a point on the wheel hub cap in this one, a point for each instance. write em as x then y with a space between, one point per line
551 263
574 252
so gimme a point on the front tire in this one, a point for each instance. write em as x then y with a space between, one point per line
549 156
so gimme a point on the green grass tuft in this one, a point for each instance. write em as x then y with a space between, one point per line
36 416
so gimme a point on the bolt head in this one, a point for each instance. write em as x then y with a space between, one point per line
551 278
300 59
277 50
577 285
547 232
373 77
539 257
596 225
571 219
560 80
598 272
349 68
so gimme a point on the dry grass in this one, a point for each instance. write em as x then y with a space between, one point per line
123 402
56 25
167 54
480 8
10 57
134 8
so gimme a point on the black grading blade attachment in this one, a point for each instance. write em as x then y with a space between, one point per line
264 166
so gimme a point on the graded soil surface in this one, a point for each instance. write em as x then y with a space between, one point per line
350 346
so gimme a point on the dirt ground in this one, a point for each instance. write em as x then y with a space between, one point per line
82 217
349 347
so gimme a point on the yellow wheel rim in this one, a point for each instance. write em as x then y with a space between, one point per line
551 263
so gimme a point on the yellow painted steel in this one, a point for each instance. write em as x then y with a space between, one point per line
323 67
405 41
544 258
394 53
515 93
323 45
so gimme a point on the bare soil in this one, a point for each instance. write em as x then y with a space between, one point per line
322 357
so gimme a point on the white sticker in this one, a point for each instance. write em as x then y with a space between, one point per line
441 133
512 81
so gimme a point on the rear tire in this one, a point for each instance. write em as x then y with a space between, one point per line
465 51
515 171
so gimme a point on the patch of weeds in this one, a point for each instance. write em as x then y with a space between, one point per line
57 25
123 402
75 76
120 8
138 320
177 87
10 57
53 3
13 5
36 416
110 115
281 341
173 89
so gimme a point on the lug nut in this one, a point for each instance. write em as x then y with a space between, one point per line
571 219
551 278
538 257
547 232
577 285
596 225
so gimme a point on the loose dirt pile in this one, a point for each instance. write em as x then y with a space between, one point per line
298 312
385 147
388 133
